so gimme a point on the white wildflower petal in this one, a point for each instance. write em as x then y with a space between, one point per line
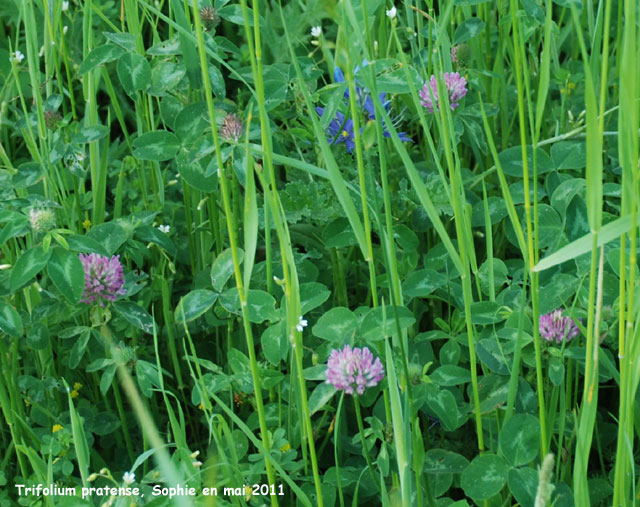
391 13
302 323
65 6
129 478
316 31
17 57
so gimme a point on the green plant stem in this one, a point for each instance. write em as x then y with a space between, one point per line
365 451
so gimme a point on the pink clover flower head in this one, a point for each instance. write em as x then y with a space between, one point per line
456 86
103 278
554 327
353 370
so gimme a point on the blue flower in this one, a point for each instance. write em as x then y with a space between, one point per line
366 103
340 130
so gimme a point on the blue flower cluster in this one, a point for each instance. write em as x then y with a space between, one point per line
340 129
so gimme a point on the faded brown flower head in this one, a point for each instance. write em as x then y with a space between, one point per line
232 127
209 17
52 119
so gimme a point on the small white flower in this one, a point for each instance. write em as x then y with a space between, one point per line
316 31
129 478
65 29
391 13
302 323
17 57
65 6
164 228
196 464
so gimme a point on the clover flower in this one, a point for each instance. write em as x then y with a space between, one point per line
460 55
353 370
554 327
232 127
103 278
209 17
41 220
456 88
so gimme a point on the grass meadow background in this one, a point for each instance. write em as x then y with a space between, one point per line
203 203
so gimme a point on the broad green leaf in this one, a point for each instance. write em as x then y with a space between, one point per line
444 406
105 423
523 484
124 39
134 73
569 155
565 192
91 133
320 397
109 234
312 295
10 321
107 378
147 376
135 314
79 347
423 282
339 234
222 268
520 439
484 477
85 244
187 45
493 390
337 325
194 174
194 304
394 81
67 274
165 76
17 224
260 305
497 211
557 292
492 355
28 265
450 375
233 13
439 461
154 235
98 56
511 160
486 312
380 322
192 122
468 29
38 336
217 82
275 345
500 273
158 145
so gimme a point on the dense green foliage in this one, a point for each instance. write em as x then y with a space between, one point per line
200 201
